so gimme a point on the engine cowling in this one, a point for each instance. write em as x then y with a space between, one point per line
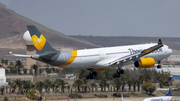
145 63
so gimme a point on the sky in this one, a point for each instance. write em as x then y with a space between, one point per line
150 18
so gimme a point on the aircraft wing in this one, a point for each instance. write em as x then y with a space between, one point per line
138 55
130 57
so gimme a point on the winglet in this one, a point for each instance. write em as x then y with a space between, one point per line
159 42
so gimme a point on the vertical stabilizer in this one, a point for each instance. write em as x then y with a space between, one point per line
169 91
39 41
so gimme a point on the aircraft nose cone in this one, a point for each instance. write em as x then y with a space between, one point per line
170 51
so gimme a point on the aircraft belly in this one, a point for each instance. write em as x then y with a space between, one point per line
157 57
83 62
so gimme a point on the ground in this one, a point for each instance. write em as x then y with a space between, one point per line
86 97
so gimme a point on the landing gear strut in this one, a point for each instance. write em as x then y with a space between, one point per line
91 74
159 66
119 71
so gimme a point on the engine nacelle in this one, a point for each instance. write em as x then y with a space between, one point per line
145 63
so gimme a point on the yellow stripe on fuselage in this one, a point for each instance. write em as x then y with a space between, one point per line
73 57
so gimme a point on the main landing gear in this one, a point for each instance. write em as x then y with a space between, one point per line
117 75
91 74
159 66
119 71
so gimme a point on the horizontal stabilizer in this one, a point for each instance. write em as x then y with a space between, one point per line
47 55
19 55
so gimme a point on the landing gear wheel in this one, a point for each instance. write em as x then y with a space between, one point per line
114 75
94 73
118 71
118 75
159 66
91 73
122 71
91 76
87 77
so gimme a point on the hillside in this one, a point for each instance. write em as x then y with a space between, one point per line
13 25
107 41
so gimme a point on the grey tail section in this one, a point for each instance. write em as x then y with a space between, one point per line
47 47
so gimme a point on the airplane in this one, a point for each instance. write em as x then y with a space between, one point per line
168 96
97 59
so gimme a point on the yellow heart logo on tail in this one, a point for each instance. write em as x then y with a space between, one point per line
39 42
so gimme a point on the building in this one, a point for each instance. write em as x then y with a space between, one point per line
2 77
70 76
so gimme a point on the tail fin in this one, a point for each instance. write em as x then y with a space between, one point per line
170 86
39 41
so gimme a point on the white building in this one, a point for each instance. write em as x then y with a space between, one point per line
2 77
70 76
173 58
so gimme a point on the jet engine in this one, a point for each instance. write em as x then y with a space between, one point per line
145 63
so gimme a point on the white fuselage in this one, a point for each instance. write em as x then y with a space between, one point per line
162 98
97 57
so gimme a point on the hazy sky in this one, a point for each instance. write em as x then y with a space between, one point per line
155 18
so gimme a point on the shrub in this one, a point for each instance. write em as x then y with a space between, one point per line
133 93
145 86
74 96
34 95
102 96
31 94
151 89
5 99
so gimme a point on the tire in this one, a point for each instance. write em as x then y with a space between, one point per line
94 73
87 77
118 71
159 66
91 76
118 75
114 75
122 71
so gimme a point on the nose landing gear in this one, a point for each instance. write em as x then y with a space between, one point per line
159 66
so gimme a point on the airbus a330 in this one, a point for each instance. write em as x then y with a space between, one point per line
98 59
